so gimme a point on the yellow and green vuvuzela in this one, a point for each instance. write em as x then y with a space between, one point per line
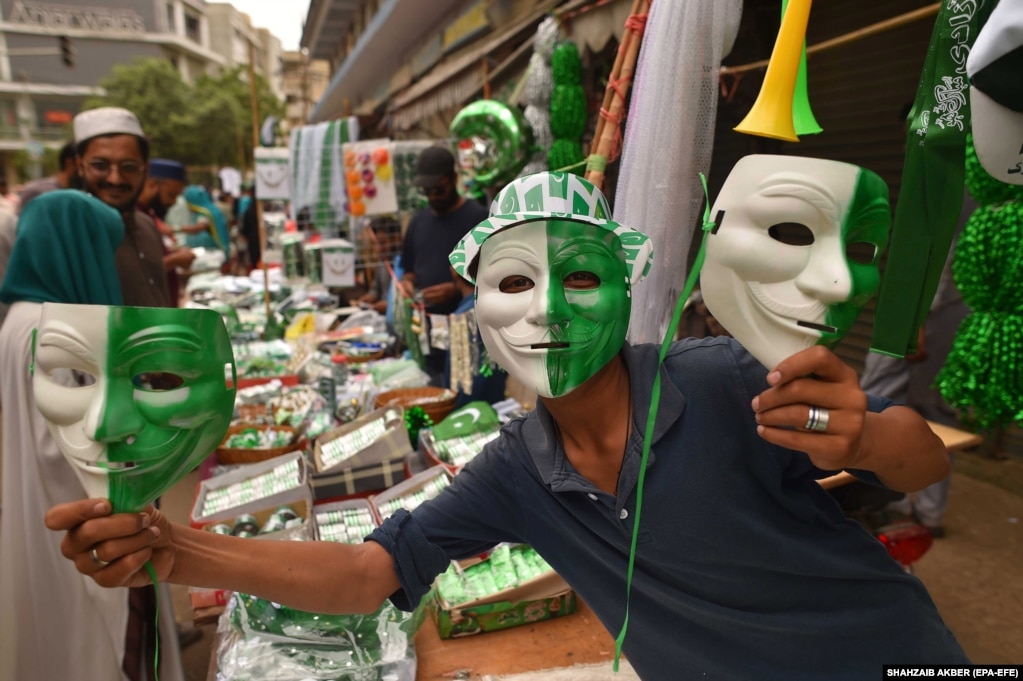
134 397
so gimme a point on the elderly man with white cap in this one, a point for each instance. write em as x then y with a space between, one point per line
113 161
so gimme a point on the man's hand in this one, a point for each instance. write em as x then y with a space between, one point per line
439 293
122 543
814 377
178 258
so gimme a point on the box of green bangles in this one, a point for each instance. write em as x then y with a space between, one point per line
251 488
412 492
361 457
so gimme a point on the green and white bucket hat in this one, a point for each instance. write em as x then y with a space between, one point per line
552 196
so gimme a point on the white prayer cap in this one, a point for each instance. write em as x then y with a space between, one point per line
108 120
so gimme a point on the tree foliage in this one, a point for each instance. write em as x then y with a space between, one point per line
205 123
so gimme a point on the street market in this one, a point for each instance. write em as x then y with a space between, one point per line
536 349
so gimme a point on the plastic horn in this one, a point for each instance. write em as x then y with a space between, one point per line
771 115
802 115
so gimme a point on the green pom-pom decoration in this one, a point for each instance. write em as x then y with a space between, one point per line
415 420
565 153
568 111
982 186
565 64
983 375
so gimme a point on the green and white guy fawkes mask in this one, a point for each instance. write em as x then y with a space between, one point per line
794 256
553 278
134 397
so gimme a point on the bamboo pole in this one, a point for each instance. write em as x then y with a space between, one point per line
259 204
609 131
616 69
845 39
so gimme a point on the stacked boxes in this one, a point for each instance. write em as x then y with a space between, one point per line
361 457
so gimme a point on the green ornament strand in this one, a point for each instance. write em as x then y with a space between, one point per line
416 419
983 375
569 113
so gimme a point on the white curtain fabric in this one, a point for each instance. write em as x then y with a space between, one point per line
669 138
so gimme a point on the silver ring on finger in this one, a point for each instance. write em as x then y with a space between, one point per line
97 560
818 419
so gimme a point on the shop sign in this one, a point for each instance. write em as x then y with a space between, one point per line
468 26
63 17
58 117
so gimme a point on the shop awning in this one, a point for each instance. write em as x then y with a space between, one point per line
379 53
455 80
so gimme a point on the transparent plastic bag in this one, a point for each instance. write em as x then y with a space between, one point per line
264 641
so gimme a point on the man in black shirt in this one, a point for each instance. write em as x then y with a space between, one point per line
432 233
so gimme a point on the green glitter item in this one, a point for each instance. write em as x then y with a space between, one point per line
983 374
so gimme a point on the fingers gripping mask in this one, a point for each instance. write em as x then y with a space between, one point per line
553 302
134 397
794 256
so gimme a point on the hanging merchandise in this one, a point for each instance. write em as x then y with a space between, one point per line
404 154
568 110
669 138
162 397
369 177
273 182
931 193
538 89
337 258
317 170
494 142
460 356
983 374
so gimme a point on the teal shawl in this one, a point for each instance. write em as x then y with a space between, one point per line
64 252
200 203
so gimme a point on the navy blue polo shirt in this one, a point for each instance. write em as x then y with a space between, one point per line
745 568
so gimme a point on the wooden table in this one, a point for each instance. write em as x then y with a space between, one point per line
955 440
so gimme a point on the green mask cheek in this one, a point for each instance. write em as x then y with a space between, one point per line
865 235
595 320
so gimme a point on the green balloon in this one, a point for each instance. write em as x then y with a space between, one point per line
508 133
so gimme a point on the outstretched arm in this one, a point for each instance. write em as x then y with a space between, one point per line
896 444
322 577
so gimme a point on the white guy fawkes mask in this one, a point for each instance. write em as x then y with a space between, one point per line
553 302
154 395
795 254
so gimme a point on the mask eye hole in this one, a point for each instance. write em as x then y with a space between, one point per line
861 252
157 381
581 281
516 283
82 379
791 233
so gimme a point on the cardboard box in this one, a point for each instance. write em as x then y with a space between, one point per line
296 489
375 466
467 620
359 504
407 489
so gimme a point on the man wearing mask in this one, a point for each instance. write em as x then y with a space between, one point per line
113 160
164 184
432 233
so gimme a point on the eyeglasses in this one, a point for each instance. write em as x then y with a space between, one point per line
101 166
440 190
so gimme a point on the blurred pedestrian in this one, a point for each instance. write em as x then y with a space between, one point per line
164 184
66 177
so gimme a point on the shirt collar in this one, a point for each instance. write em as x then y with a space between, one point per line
540 433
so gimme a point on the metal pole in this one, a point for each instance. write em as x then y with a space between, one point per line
259 204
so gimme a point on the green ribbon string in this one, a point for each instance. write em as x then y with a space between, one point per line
156 651
651 419
931 192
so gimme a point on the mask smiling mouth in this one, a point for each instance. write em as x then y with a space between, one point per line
548 346
817 327
107 466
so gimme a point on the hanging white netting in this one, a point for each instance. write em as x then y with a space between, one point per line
669 137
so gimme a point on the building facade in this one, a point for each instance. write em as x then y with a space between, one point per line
231 33
304 80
